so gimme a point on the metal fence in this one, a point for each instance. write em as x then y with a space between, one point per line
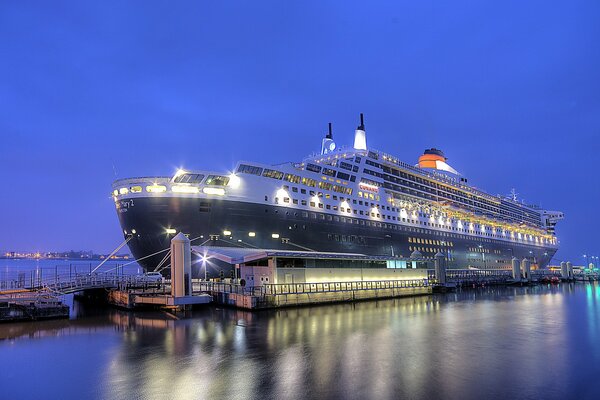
71 283
276 289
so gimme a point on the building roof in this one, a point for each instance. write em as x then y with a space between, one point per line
239 255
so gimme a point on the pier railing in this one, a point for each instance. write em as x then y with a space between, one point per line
276 289
71 283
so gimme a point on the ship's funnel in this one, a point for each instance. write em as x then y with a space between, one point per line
360 137
328 145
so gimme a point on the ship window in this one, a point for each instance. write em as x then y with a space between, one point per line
303 202
189 178
271 173
217 180
343 175
295 201
292 178
286 199
312 203
249 169
156 188
313 168
309 182
136 189
328 172
295 189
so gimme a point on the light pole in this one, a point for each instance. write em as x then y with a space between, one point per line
586 261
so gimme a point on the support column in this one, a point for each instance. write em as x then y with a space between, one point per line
516 269
440 268
564 272
181 266
526 267
570 270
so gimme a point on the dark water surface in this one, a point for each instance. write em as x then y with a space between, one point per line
535 343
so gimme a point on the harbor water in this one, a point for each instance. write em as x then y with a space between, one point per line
493 343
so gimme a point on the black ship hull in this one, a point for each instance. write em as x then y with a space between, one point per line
229 223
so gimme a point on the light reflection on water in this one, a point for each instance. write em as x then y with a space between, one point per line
539 342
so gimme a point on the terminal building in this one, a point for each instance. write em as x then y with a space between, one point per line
257 267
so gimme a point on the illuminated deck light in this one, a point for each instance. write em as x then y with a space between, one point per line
171 231
217 191
275 235
227 233
184 189
156 189
251 234
234 181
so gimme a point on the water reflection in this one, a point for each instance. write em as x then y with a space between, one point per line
492 343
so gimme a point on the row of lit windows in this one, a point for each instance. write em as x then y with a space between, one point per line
434 242
429 250
430 241
347 238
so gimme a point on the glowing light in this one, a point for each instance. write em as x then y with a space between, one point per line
234 181
156 189
123 191
136 189
179 172
251 234
133 231
227 233
217 191
171 231
345 204
184 189
275 235
281 193
115 192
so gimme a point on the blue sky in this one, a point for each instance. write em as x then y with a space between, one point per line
509 90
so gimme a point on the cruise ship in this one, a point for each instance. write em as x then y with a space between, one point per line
341 199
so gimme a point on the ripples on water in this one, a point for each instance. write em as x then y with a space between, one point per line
539 342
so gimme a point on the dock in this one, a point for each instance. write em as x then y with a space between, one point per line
263 279
31 306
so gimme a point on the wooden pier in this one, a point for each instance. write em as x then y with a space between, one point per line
28 306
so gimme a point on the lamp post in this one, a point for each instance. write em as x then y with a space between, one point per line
586 261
